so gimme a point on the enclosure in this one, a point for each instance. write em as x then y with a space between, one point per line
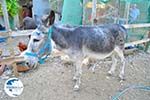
52 80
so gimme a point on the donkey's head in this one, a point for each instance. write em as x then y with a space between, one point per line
39 44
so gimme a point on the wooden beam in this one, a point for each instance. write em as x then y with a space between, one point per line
136 42
22 33
17 33
136 25
5 14
127 11
94 2
84 12
11 61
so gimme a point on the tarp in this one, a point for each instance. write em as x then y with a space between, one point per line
132 1
72 12
41 7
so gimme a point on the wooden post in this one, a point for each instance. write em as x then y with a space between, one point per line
93 11
147 45
126 12
117 5
136 25
5 14
16 21
84 12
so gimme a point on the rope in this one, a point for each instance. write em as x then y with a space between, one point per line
47 47
146 88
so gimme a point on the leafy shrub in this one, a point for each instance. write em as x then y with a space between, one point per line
12 7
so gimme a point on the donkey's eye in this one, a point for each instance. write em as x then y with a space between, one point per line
36 40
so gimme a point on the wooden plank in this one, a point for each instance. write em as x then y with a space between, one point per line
22 33
28 32
127 10
136 25
16 33
5 15
136 42
94 2
11 60
84 12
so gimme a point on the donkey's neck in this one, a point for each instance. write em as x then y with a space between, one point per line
65 31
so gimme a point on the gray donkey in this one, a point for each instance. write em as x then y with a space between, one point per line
96 42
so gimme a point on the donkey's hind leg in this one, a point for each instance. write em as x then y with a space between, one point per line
119 51
78 74
78 58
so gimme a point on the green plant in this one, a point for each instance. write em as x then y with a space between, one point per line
12 7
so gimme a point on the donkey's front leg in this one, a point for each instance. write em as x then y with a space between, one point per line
113 67
78 74
119 51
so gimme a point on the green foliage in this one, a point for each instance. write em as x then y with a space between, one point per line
12 7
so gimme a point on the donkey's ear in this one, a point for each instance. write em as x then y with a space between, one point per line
48 19
41 23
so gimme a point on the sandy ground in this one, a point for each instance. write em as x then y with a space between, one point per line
53 81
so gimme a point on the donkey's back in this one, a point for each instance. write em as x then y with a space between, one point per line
100 39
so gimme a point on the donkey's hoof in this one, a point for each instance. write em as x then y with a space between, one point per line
35 66
74 78
122 77
93 70
110 73
76 88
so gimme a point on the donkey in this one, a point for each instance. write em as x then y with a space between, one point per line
96 42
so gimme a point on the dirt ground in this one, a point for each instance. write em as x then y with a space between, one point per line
53 81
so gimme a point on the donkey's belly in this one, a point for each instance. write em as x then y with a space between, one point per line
96 55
